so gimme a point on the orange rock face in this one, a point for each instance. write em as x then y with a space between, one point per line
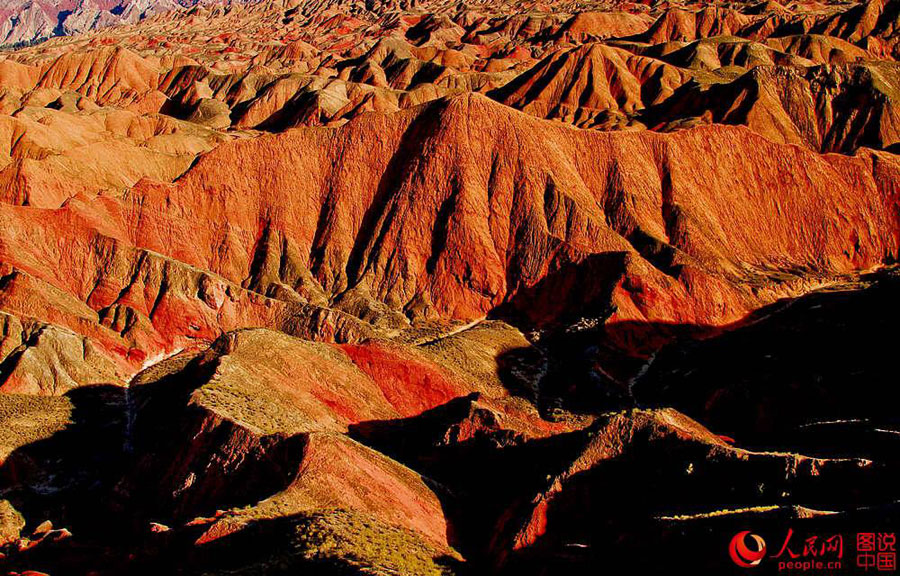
630 218
441 288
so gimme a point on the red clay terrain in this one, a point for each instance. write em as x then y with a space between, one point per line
444 288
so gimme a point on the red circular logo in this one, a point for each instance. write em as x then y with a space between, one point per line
741 554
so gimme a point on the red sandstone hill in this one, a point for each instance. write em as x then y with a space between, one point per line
644 230
443 288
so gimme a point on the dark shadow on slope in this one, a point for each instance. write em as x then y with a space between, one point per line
814 373
520 371
67 478
126 462
647 546
627 503
610 513
570 293
590 362
187 461
817 373
475 465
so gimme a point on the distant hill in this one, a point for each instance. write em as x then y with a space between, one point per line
24 22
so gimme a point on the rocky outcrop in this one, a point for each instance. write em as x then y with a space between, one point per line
44 359
47 150
273 431
589 85
829 108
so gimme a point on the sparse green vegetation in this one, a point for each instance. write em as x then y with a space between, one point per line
344 542
26 419
364 543
273 383
11 522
